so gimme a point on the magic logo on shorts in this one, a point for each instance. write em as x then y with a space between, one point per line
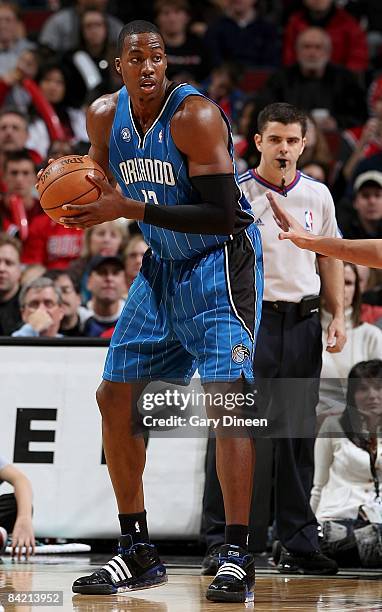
240 353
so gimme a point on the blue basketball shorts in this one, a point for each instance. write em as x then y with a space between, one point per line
202 313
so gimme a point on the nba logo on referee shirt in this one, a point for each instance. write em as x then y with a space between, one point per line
309 220
126 134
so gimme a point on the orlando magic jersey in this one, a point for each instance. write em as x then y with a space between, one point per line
151 169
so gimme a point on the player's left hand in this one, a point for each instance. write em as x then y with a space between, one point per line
336 336
110 206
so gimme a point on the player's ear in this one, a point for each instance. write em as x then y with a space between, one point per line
258 141
117 63
303 145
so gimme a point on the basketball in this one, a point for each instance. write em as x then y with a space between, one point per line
64 182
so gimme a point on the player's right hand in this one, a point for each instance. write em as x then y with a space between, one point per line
40 320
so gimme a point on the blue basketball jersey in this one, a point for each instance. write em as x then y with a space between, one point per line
151 169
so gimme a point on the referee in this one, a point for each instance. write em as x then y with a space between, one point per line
289 343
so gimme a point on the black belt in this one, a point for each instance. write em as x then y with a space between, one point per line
305 308
282 306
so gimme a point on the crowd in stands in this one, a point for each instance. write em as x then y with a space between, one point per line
322 55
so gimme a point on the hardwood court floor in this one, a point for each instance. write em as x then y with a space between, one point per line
185 591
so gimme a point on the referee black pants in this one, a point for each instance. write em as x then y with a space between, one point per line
288 347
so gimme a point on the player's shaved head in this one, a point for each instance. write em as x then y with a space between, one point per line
136 27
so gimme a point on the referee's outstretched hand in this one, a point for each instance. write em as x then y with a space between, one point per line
292 230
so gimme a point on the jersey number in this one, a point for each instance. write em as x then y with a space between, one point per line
150 196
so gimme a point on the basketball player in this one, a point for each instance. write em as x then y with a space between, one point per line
290 337
362 252
195 303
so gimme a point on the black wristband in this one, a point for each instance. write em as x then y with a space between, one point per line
215 214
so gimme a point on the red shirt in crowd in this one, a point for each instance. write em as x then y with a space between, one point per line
10 221
349 44
51 244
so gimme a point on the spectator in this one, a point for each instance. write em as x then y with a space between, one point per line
14 134
13 91
20 87
94 56
243 36
10 273
374 162
61 31
364 219
348 470
106 239
330 93
316 170
12 43
188 58
369 13
132 259
41 310
51 244
349 44
16 511
107 286
364 342
19 205
244 124
316 148
362 142
371 292
222 87
30 273
75 315
53 80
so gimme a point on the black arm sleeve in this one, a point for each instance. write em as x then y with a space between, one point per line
215 214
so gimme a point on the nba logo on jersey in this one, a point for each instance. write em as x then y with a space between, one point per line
160 136
126 134
309 220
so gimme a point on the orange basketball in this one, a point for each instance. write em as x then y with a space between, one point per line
64 182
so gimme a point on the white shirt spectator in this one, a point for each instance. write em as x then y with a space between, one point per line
364 342
342 476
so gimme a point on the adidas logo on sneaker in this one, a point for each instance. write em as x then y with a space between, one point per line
235 578
134 568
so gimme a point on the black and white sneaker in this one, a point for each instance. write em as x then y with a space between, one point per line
235 578
314 563
210 563
135 567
